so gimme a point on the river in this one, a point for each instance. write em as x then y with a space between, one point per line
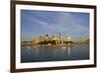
53 53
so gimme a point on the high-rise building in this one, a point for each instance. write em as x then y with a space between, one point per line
58 38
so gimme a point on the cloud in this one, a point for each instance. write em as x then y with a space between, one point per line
66 23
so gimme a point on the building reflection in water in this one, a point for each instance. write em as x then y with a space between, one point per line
38 48
28 47
68 47
69 50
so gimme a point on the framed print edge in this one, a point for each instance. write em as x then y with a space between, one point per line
13 35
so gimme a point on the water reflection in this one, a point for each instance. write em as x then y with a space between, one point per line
41 53
69 50
68 47
28 47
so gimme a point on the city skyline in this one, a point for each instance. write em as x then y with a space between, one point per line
35 23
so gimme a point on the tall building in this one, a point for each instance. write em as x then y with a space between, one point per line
69 40
46 37
58 38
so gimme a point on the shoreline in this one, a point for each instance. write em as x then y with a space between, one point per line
54 44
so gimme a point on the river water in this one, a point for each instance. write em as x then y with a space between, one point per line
54 53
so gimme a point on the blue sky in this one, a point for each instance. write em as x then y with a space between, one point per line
35 23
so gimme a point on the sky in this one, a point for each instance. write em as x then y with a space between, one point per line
35 23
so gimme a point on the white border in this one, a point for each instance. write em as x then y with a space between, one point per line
52 64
